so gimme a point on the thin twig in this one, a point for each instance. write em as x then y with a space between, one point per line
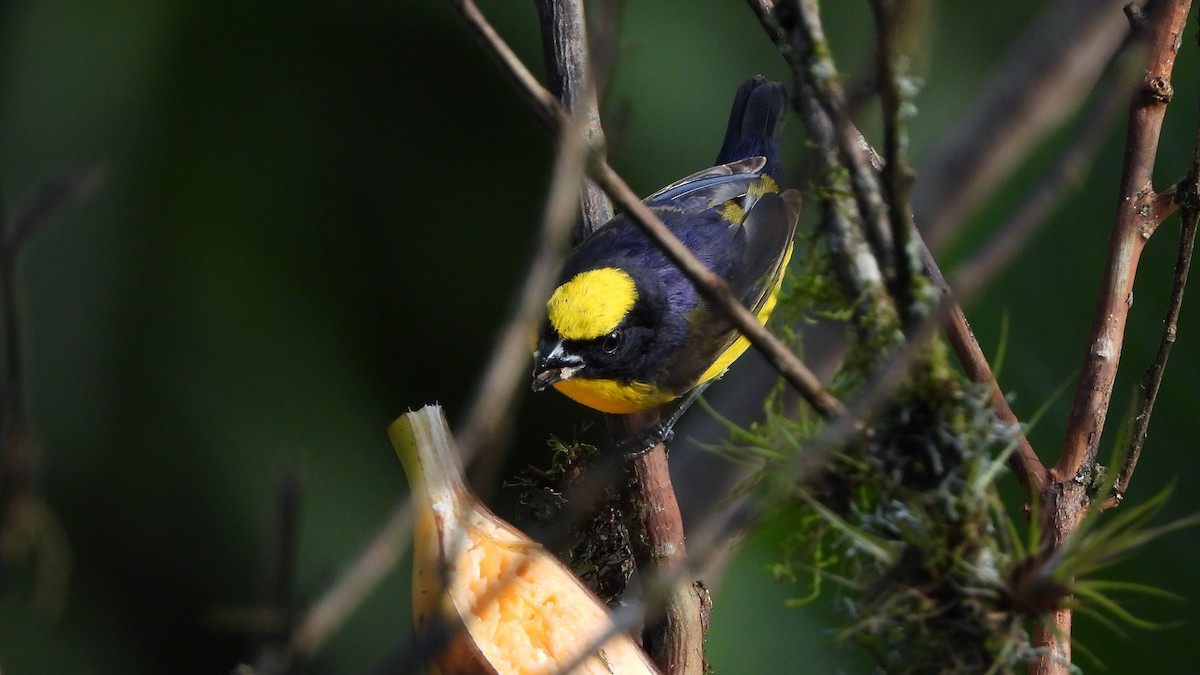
541 102
1025 462
1152 380
487 422
335 606
489 419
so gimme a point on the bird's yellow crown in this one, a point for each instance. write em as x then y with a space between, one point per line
591 303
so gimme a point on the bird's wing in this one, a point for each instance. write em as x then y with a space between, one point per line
766 245
712 186
769 229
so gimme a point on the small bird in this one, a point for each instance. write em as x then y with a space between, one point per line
626 331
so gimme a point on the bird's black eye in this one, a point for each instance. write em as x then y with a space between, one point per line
611 342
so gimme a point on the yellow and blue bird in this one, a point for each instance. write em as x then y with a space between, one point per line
625 330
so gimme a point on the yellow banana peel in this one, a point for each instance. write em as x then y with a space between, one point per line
511 605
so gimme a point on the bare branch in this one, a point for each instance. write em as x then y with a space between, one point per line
572 74
1152 380
489 418
1025 463
676 641
70 187
326 617
1139 212
541 102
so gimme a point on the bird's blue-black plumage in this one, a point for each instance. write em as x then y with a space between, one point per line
731 217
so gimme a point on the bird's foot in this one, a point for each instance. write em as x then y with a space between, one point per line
632 448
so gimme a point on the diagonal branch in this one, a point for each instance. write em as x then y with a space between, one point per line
1025 463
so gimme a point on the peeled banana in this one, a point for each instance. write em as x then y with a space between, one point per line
510 606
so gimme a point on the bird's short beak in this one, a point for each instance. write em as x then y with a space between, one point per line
553 366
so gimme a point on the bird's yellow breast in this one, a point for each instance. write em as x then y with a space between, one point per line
613 397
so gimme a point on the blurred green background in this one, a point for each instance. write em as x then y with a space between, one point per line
314 218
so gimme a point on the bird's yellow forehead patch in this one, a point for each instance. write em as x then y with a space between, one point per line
591 304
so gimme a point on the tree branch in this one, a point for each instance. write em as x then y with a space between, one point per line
676 642
896 174
1152 380
1025 463
1139 212
810 52
572 75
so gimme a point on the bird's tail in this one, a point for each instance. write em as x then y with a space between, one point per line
754 124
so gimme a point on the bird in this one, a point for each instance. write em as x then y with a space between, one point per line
624 330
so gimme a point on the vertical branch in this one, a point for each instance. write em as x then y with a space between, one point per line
811 51
1139 212
676 640
675 636
897 175
572 76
